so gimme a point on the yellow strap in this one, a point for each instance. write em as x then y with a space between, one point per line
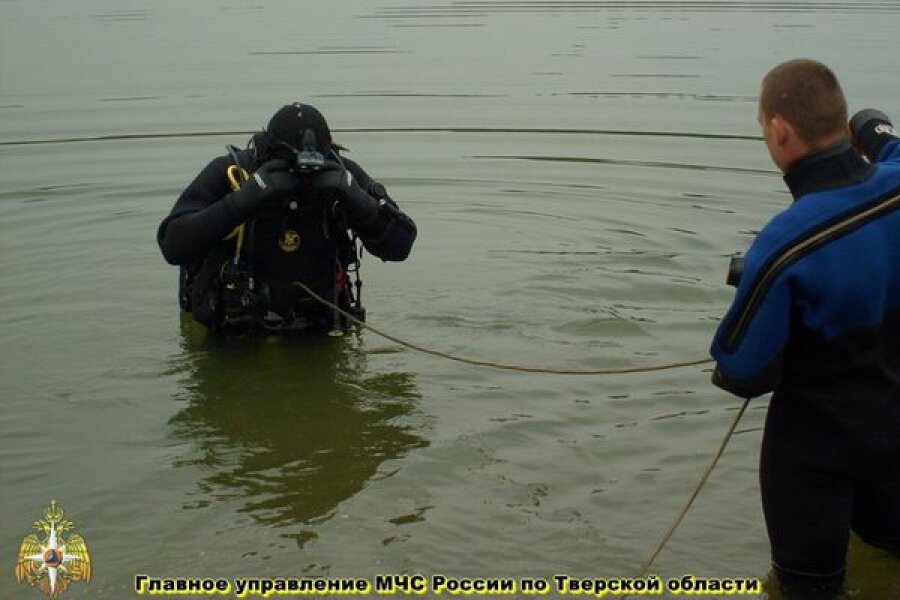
235 181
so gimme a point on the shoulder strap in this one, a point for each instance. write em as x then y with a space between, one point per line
809 242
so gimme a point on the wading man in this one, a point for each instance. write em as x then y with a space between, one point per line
288 210
816 318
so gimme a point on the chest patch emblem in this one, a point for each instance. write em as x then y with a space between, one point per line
289 241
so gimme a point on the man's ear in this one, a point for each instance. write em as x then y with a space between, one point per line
782 131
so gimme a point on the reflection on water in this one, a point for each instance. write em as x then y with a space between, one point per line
287 428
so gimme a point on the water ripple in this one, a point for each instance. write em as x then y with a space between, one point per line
632 163
122 15
479 130
495 7
334 50
128 99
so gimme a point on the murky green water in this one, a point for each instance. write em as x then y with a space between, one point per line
579 171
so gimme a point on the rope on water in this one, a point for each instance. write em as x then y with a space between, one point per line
499 365
539 369
684 511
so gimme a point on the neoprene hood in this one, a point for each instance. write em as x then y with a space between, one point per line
293 122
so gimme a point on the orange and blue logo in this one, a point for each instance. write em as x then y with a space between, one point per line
54 557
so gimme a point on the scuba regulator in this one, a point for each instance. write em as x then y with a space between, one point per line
308 159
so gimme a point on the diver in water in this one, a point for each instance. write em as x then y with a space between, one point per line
816 318
288 209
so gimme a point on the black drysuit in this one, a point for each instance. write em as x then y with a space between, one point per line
300 238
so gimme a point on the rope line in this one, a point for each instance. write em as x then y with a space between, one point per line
700 485
539 369
498 365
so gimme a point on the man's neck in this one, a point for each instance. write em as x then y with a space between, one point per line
828 167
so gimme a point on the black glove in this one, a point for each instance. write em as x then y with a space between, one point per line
361 209
872 130
271 181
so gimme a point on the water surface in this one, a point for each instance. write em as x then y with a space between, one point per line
580 172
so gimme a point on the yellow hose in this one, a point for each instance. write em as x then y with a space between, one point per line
235 179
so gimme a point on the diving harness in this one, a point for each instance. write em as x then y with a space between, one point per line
243 301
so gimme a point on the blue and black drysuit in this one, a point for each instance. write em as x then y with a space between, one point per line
816 318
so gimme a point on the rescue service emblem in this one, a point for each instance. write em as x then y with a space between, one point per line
53 558
289 240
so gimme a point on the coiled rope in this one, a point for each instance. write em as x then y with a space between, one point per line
499 365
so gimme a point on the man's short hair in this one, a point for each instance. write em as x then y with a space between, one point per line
808 96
